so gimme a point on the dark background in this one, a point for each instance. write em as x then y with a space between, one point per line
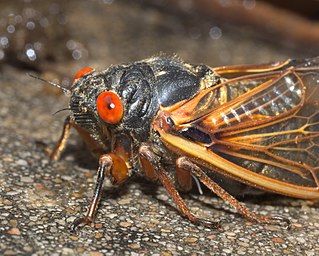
39 199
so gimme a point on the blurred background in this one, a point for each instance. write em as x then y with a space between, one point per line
62 36
56 38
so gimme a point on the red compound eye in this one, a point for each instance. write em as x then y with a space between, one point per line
82 72
109 107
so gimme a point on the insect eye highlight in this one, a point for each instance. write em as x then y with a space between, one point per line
82 72
109 107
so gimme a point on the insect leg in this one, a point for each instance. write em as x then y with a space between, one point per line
186 164
56 152
93 146
183 178
111 166
153 170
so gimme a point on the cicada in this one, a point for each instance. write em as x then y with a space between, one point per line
180 124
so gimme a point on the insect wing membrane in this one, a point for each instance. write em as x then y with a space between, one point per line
261 128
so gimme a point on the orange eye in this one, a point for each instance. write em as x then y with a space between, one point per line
109 107
82 72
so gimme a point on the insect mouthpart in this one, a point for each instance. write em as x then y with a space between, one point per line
81 116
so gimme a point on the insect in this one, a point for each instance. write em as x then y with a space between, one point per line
177 123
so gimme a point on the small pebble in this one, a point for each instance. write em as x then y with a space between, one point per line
99 235
125 224
277 240
191 240
135 246
14 231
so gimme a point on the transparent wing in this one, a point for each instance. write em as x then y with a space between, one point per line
262 124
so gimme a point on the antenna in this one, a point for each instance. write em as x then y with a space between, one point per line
66 91
63 109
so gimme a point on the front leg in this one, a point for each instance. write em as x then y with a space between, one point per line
113 167
56 152
151 165
92 144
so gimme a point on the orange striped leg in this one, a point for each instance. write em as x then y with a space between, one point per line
186 164
150 162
